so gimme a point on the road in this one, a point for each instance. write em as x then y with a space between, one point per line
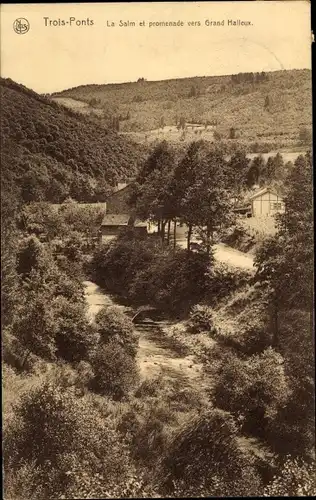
227 255
232 257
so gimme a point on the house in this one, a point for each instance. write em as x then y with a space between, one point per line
119 215
113 224
266 202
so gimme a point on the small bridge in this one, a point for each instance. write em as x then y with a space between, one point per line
143 309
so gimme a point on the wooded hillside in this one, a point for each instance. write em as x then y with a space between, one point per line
50 152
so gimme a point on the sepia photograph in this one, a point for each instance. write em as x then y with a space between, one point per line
157 250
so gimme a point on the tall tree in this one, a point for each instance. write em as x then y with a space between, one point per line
236 171
207 202
152 197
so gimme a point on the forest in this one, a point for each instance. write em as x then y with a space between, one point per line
49 152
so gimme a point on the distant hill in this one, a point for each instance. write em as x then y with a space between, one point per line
268 108
50 152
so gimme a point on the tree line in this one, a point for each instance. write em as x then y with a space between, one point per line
197 188
249 78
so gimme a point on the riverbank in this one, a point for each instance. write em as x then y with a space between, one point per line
159 353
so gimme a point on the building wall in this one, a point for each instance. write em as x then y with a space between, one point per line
110 230
267 204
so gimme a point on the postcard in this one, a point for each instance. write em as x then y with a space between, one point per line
157 250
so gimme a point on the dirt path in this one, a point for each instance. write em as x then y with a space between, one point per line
226 254
156 354
233 257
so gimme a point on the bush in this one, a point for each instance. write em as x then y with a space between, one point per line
254 389
222 280
174 281
204 458
67 443
115 371
74 335
254 329
201 319
113 325
295 479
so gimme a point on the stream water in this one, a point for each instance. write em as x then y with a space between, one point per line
157 354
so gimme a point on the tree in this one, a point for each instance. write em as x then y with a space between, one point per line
74 336
192 92
184 176
30 256
285 262
153 198
255 171
237 169
206 202
35 326
182 122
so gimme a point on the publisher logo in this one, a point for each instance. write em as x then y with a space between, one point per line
21 26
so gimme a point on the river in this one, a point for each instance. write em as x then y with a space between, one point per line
157 355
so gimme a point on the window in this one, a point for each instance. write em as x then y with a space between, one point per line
276 206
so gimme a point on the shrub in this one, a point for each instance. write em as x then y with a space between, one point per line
295 479
254 389
115 370
24 482
201 319
67 442
30 256
74 335
222 280
13 352
35 326
204 456
174 281
113 325
254 329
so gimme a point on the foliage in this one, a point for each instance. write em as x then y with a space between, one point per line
72 450
254 389
204 455
49 152
35 326
285 262
201 319
114 326
295 479
30 256
114 369
74 336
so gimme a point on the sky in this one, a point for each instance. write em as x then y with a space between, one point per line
51 58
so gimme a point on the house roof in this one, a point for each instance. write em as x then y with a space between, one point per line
115 220
264 191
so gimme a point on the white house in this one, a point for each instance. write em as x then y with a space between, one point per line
266 202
